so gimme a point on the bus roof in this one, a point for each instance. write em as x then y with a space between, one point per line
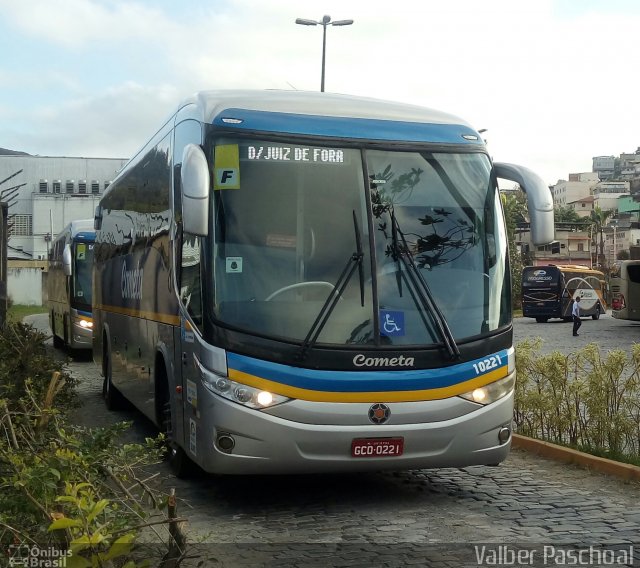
566 267
329 114
82 228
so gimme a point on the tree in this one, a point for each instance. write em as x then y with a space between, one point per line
565 214
598 219
514 205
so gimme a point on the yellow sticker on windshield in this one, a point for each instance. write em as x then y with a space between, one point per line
81 251
226 167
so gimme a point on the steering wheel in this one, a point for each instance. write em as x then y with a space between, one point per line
299 285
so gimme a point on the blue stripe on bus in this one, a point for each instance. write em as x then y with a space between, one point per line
84 236
362 381
86 314
341 127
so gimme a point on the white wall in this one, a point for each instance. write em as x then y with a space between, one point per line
24 286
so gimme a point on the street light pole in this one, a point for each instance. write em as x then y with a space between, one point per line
326 21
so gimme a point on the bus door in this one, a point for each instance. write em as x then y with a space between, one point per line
192 349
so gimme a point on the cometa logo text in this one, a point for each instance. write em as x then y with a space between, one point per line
361 360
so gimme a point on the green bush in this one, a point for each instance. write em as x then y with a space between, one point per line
581 399
24 360
63 486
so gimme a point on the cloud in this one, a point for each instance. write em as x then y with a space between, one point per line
75 23
122 118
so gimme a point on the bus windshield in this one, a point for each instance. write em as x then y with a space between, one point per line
289 226
82 274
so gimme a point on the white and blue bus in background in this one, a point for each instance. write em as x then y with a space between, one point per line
293 282
69 285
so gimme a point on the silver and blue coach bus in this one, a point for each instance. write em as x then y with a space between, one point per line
292 282
69 285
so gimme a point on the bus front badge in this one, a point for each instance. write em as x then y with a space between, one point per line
379 413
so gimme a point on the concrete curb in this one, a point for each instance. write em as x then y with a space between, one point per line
624 471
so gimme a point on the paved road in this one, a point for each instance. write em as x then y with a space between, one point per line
419 517
607 332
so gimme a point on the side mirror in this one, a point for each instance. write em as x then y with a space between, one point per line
194 186
97 218
539 200
67 260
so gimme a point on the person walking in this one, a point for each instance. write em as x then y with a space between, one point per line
575 313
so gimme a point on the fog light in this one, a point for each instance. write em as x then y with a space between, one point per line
225 443
504 434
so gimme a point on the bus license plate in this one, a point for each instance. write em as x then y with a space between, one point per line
377 447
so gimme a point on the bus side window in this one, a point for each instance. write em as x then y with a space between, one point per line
189 252
190 281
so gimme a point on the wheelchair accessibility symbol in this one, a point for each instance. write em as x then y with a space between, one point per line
391 323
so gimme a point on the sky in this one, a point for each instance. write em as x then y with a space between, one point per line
553 82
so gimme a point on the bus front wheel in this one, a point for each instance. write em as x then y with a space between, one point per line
597 314
542 320
57 341
178 460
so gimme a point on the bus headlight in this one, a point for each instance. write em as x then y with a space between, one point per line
491 392
237 392
86 324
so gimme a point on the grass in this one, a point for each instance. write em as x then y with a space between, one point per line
615 456
18 311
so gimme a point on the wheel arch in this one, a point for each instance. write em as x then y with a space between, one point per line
100 342
163 379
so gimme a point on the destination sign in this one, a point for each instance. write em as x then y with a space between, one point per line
277 153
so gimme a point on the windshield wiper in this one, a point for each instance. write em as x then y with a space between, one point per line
419 284
355 261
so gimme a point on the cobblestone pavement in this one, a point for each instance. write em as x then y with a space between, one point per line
412 518
607 332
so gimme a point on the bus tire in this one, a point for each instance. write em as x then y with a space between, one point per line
57 342
113 399
178 460
65 330
597 314
542 319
